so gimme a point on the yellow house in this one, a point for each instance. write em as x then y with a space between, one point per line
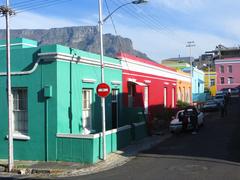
184 89
210 79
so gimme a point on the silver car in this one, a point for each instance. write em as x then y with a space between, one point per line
176 125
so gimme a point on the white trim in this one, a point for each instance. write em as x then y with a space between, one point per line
174 84
16 44
166 83
93 136
116 82
85 60
147 81
86 80
79 136
124 128
133 65
131 80
131 74
136 82
139 123
224 61
20 137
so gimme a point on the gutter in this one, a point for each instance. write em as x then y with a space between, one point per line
62 56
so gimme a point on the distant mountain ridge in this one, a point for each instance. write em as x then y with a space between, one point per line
81 37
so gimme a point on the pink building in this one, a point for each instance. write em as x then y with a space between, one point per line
228 75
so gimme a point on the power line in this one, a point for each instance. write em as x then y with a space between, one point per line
41 5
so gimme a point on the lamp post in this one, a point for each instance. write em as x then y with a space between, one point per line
191 44
101 21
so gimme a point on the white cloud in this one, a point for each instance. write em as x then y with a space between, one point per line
159 45
183 5
30 20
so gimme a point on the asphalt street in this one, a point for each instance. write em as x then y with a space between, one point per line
214 153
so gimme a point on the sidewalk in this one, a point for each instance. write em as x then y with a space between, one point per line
64 169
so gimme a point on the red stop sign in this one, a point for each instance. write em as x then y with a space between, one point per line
103 90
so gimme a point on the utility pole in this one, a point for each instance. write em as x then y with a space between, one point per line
7 12
189 45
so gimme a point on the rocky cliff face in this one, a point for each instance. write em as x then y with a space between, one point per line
82 37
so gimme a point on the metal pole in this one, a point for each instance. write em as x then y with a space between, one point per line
9 94
102 79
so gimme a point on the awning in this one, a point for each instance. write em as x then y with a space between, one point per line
136 82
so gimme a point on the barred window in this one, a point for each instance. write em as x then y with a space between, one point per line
20 110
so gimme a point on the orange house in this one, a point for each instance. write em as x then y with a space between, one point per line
184 89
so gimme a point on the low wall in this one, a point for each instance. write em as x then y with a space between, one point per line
88 148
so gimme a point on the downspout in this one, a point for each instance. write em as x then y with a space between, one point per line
46 129
24 72
47 94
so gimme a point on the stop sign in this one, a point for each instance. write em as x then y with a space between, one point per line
103 90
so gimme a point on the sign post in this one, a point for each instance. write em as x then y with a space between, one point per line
103 90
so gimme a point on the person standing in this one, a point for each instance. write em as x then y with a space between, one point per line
194 120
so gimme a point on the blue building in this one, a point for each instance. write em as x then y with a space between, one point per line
197 84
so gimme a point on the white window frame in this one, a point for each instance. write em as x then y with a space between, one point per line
230 67
20 111
87 126
230 80
146 89
165 97
173 97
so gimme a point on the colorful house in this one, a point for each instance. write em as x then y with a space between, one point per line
198 95
184 88
210 80
148 86
56 112
228 75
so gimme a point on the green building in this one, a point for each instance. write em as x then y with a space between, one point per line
56 111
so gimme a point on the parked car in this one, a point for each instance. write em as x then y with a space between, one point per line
176 125
234 92
210 105
219 98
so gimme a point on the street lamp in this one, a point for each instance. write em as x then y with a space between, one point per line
191 44
101 21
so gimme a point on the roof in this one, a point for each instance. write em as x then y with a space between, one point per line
146 61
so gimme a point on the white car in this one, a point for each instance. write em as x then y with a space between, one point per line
176 125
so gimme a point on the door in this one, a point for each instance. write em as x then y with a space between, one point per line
114 108
87 109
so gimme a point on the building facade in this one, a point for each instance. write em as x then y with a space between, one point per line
148 86
210 82
56 110
184 89
227 71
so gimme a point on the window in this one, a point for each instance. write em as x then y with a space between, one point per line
222 80
222 69
230 80
131 91
87 109
20 110
212 82
230 68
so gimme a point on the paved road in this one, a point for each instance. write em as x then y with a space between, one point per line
214 153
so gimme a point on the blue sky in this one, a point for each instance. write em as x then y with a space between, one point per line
159 28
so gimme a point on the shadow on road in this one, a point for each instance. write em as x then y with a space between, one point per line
218 139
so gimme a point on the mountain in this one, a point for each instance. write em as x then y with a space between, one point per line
81 37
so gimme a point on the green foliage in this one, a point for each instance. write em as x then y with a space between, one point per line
181 104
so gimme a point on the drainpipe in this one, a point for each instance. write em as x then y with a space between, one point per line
47 94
